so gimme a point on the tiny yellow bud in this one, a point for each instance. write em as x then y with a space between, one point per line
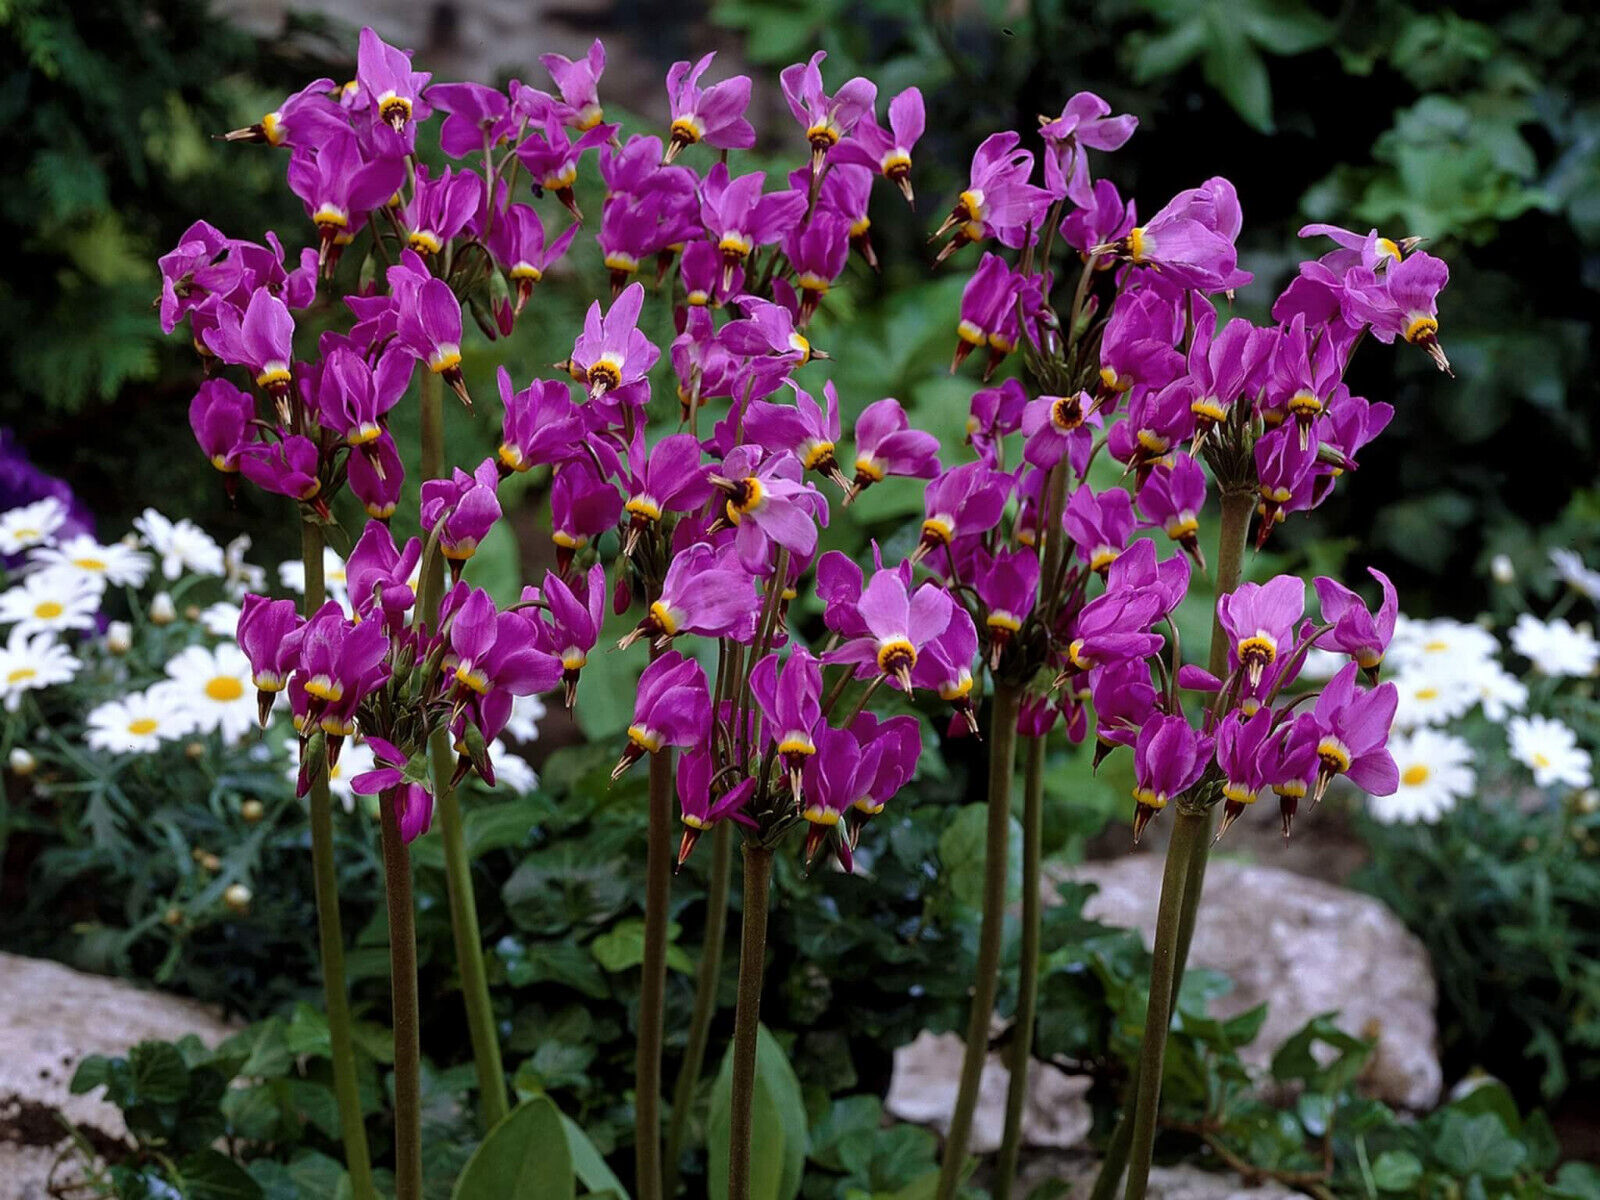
162 611
237 897
22 763
252 811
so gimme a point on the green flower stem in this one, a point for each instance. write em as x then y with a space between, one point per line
1002 760
330 934
1182 883
1028 969
653 983
705 999
493 1103
747 1017
407 1021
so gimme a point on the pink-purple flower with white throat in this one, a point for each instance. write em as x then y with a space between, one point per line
1085 123
389 87
1168 759
1260 621
704 799
897 624
673 708
888 152
826 118
713 115
1352 730
611 353
790 699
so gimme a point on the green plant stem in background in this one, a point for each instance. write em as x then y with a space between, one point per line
330 932
653 983
1002 760
747 1016
1028 968
1184 879
493 1103
407 1018
705 1000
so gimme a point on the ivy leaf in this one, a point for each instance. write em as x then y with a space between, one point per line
525 1157
1478 1145
1396 1171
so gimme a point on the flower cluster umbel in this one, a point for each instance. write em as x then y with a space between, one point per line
1020 567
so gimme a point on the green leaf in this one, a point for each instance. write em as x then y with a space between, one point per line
1478 1145
1577 1181
210 1175
1396 1171
1168 52
503 826
1239 73
623 947
779 1136
524 1157
92 1072
159 1074
587 1162
962 850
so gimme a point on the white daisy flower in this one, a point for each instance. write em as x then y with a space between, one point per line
136 724
50 602
180 545
118 563
1550 750
292 575
214 687
1572 571
1555 647
526 713
1441 641
1499 692
511 771
221 619
30 524
1433 693
29 663
1435 772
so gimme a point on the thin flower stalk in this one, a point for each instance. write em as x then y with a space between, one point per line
747 1016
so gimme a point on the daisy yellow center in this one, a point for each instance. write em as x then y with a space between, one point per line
1415 775
1427 693
21 675
48 610
90 564
1436 646
143 726
224 688
28 534
1541 759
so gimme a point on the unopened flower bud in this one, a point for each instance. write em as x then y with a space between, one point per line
119 637
22 763
209 862
195 751
1501 569
191 612
252 811
173 916
237 897
162 611
1587 801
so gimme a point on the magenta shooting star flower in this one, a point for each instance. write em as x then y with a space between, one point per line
574 622
1352 729
790 699
808 430
340 662
578 82
339 185
582 506
1190 241
264 634
887 445
260 338
1284 469
702 803
739 217
542 425
1085 123
999 201
611 353
378 576
669 477
673 708
388 83
518 244
428 320
701 594
1363 635
896 624
964 502
1403 302
1245 759
888 152
889 753
413 802
220 416
439 208
1260 620
1106 219
1058 427
551 157
713 115
285 468
301 118
1168 759
945 665
463 509
1100 525
826 119
1171 498
1008 584
770 502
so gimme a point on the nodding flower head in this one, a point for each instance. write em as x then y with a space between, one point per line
389 88
713 115
463 509
897 624
826 119
1100 524
578 82
1260 621
964 502
1085 123
1352 729
887 445
673 708
790 700
999 201
1168 759
611 353
888 151
1008 585
1246 758
1363 635
264 633
707 796
576 615
1171 499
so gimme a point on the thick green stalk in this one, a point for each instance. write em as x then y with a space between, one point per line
407 1019
1028 968
653 983
1181 888
493 1103
330 934
747 1017
707 975
1002 760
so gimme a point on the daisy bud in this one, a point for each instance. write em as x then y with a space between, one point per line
1501 569
119 637
22 763
209 862
191 612
173 917
237 898
162 610
194 751
252 811
1586 801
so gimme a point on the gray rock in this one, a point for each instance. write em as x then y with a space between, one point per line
1304 947
51 1017
1166 1183
926 1075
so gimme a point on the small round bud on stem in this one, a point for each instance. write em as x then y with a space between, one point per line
162 610
22 763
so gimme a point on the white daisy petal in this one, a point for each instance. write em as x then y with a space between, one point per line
30 663
30 524
1550 750
50 602
1435 772
1554 647
181 545
118 563
214 687
136 724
